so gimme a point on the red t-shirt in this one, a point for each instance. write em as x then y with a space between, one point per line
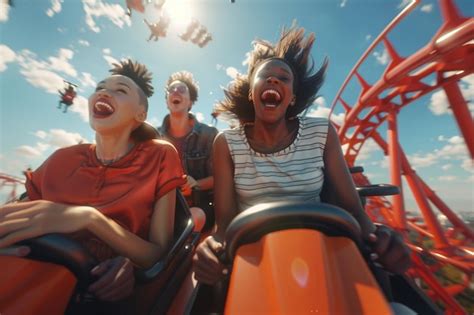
124 191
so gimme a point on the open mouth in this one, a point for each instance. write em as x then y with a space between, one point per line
175 99
270 98
103 109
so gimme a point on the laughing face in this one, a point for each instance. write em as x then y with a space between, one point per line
178 98
272 90
116 105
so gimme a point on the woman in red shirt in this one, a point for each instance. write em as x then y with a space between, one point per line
117 196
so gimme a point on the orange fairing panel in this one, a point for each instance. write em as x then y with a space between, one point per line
33 287
302 272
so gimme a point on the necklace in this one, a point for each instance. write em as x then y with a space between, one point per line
111 161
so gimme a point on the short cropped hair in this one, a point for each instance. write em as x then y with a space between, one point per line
139 74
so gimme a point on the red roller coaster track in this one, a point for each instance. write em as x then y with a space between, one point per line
449 56
10 182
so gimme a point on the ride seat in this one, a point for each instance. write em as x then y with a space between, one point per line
157 283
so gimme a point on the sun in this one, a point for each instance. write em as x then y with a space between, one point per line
180 12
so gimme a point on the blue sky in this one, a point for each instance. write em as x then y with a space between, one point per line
43 42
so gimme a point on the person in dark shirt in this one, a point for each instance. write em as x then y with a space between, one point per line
192 139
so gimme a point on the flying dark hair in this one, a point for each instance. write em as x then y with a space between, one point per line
188 79
294 48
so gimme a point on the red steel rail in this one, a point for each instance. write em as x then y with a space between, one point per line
448 56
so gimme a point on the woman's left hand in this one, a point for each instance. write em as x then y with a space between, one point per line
116 279
390 250
23 220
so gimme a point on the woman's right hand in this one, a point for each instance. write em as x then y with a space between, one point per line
207 267
23 220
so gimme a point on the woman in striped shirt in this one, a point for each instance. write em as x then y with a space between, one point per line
274 154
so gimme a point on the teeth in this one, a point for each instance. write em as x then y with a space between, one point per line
271 92
101 106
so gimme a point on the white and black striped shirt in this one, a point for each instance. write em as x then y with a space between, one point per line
294 173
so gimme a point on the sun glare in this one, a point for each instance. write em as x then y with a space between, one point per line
180 12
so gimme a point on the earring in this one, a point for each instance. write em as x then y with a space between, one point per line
250 97
293 101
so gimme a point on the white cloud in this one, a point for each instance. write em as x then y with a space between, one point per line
41 74
81 106
322 110
86 79
96 9
320 101
60 138
106 51
29 151
468 165
110 60
200 117
55 7
439 104
247 58
467 90
343 3
52 139
368 37
6 56
446 167
4 10
422 160
344 148
404 3
154 121
367 149
383 57
232 72
41 134
219 67
427 8
447 178
61 63
384 162
456 140
454 150
84 43
38 73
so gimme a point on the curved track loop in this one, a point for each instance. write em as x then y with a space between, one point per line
448 56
